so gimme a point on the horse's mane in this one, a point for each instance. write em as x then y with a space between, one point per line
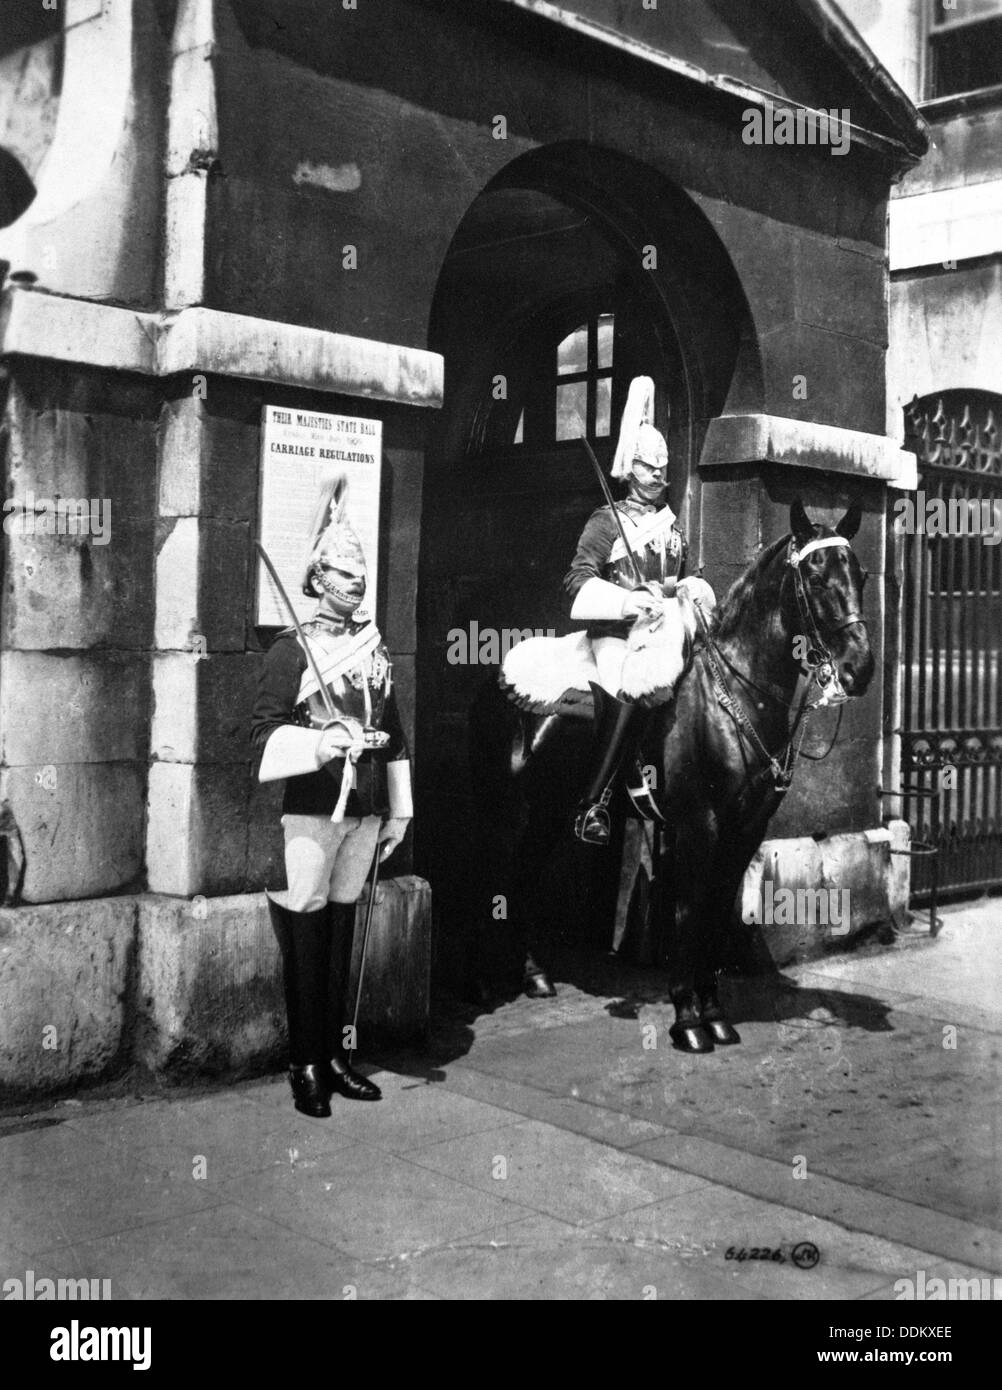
729 612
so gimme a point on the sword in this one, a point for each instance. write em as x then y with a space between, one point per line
638 576
324 692
347 773
365 943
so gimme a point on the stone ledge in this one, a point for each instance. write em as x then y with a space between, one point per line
210 981
33 324
862 862
183 987
735 439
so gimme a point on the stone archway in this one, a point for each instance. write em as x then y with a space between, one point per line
565 246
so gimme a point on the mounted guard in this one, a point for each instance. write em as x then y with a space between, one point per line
629 565
325 720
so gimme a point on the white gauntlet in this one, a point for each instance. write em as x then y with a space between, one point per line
398 782
290 752
597 600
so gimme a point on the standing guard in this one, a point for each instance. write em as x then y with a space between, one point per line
626 566
325 719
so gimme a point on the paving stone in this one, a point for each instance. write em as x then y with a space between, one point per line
227 1253
371 1204
85 1192
410 1114
559 1174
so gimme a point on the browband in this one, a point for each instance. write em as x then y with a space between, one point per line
797 555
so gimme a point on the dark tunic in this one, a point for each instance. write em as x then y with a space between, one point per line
316 793
591 560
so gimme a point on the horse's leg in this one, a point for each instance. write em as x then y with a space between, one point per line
735 852
693 862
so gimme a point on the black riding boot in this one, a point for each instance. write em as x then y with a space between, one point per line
341 1075
617 725
304 940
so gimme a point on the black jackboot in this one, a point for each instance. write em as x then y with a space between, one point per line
617 725
341 1075
304 939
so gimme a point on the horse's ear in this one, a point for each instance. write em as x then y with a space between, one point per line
800 523
849 524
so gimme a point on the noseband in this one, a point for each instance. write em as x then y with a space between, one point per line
819 657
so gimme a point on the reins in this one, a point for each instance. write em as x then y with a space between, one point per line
822 671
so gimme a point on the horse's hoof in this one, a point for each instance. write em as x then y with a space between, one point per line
724 1034
690 1037
539 985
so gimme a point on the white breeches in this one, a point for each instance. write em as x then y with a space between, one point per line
327 861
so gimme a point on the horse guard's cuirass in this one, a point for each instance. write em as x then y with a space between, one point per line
371 677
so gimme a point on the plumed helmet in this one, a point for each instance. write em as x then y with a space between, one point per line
638 439
333 543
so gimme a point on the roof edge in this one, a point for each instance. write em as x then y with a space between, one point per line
841 34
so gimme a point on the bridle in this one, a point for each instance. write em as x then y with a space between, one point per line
820 662
822 669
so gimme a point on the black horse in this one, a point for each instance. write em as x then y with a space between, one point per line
724 749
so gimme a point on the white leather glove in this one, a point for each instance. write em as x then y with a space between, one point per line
337 740
391 835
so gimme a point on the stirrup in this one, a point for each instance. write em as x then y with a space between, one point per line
592 824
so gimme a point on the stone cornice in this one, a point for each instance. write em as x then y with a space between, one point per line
736 439
216 343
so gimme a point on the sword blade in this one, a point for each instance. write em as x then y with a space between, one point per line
324 692
613 508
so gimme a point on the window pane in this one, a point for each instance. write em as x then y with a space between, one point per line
603 406
605 325
572 354
572 404
967 59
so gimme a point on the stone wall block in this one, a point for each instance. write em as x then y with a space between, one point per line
197 828
202 706
80 825
210 987
87 708
859 867
65 984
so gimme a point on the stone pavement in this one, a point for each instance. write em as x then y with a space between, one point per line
561 1149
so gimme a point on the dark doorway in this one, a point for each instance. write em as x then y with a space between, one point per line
542 320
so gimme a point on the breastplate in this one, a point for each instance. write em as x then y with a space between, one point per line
659 559
359 693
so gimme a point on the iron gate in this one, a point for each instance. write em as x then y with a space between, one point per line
952 638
